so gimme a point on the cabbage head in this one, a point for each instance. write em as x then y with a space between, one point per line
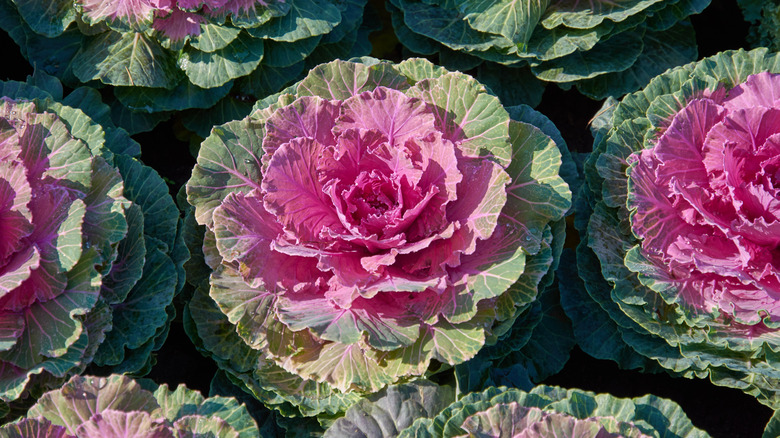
605 48
172 55
118 406
680 218
548 411
369 224
91 251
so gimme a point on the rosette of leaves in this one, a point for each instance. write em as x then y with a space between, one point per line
371 224
551 411
91 253
764 17
605 48
679 224
118 406
173 55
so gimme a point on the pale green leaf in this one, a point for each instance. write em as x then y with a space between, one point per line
213 69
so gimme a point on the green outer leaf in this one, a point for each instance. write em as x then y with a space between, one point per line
47 17
265 80
585 15
182 402
229 161
413 41
464 109
254 19
652 415
214 37
537 193
347 327
116 392
342 79
661 51
264 417
53 326
104 222
52 55
144 187
306 18
772 429
213 69
548 44
126 59
444 25
140 315
417 69
613 55
502 81
70 235
515 20
457 60
87 101
184 96
391 410
230 107
218 337
281 54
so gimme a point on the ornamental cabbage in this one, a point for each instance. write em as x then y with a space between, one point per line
118 406
605 48
173 55
551 411
683 199
367 224
91 251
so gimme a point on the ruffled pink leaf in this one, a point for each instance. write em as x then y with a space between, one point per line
245 231
679 149
179 24
14 227
480 198
344 161
293 192
43 283
238 7
308 117
388 111
762 89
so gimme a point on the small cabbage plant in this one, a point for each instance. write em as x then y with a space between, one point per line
367 225
764 18
679 255
548 411
91 252
118 406
173 55
605 48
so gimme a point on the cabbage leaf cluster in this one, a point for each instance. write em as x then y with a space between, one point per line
118 406
91 253
173 55
605 48
367 224
679 219
541 412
